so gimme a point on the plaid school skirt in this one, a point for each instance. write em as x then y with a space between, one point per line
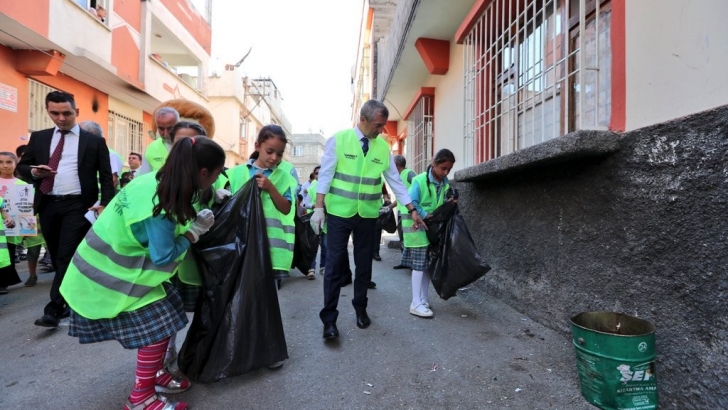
142 327
415 258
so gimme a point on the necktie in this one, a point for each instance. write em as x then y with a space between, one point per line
47 185
365 145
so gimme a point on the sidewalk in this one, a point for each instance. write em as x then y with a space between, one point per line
476 353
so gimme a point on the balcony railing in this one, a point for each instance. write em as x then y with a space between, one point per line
389 49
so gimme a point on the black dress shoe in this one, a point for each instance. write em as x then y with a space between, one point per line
47 320
400 267
372 285
330 331
362 320
377 257
347 281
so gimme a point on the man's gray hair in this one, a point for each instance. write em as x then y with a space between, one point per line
373 107
165 111
400 161
92 127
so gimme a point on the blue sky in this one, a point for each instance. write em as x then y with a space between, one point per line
306 47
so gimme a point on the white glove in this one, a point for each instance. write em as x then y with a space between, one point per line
201 224
384 210
222 194
317 220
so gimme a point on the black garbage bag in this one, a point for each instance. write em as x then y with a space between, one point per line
387 222
455 262
437 222
307 243
237 325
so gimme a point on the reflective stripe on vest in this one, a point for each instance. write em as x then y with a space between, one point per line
111 272
280 228
429 201
407 184
356 187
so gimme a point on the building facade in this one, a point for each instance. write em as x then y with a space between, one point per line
590 138
306 153
119 66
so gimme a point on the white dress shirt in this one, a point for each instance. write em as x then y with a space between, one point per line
328 169
66 181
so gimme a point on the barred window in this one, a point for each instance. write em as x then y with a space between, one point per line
420 135
125 134
535 70
38 118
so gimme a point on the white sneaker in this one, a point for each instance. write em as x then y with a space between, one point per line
426 304
421 311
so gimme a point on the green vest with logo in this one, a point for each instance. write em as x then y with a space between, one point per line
429 201
357 184
280 228
156 154
4 253
111 272
407 184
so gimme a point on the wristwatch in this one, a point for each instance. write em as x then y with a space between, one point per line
412 210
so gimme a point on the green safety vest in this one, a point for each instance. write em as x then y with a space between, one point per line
156 154
187 269
357 184
4 253
407 184
280 228
429 201
111 272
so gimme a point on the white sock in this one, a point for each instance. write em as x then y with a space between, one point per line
416 287
425 288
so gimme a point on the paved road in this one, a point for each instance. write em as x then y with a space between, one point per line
476 353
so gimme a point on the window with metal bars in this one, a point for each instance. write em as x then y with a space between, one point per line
38 118
420 135
535 70
125 135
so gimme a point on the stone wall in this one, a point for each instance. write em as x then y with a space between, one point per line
640 230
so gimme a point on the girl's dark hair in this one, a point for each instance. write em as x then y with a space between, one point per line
268 132
179 178
443 155
187 124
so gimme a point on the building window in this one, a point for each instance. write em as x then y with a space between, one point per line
535 70
420 134
38 118
125 134
297 151
97 8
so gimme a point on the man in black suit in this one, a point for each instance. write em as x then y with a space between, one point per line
63 163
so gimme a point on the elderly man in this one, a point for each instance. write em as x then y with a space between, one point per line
350 182
156 154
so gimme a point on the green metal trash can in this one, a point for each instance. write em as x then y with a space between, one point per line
615 357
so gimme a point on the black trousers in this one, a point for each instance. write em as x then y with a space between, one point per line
64 226
337 239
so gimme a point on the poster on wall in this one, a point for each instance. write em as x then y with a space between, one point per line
18 202
8 97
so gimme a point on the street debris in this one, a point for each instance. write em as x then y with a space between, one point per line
370 385
518 389
434 367
367 392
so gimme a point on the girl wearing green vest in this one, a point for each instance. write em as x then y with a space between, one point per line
428 193
118 282
274 177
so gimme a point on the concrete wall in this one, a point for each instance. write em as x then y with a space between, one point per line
641 231
676 54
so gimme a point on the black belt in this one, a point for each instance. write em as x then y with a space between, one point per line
62 197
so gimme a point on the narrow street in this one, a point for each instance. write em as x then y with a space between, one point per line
476 353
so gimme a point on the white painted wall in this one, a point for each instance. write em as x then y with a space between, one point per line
127 110
449 107
78 32
676 59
